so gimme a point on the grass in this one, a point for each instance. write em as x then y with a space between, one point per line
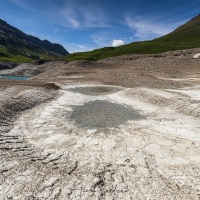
23 56
147 47
185 37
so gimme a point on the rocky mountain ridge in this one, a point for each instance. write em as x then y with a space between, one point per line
17 42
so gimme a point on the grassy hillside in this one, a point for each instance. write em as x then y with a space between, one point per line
10 54
17 46
185 37
24 55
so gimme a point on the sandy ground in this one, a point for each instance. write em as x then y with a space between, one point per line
139 142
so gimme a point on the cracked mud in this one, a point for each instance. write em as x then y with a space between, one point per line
102 114
45 154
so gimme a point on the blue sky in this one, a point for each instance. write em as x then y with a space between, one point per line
82 25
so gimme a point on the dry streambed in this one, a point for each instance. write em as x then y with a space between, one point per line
105 142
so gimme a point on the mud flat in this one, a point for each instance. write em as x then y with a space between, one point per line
67 149
120 128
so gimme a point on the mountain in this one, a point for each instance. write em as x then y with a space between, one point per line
16 45
186 36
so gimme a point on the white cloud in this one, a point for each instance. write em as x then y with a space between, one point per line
116 43
147 29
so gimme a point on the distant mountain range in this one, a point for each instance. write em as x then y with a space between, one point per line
186 36
16 45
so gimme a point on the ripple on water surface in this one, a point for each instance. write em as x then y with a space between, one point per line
102 114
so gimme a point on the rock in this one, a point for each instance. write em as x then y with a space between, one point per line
197 55
40 62
7 65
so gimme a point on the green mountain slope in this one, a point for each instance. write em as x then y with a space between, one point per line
186 36
20 47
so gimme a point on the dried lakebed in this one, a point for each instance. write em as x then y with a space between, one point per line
126 144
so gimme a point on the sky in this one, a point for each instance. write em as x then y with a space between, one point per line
84 25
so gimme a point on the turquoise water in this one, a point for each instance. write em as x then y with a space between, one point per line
19 78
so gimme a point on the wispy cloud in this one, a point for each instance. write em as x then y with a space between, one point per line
145 29
69 14
101 39
72 48
116 43
17 2
82 16
22 4
66 16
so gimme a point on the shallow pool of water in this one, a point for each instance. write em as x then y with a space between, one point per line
19 78
95 90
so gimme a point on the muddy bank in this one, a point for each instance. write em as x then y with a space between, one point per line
7 65
16 99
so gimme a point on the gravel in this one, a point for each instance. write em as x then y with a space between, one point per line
102 114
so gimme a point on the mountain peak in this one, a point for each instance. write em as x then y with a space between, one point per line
3 22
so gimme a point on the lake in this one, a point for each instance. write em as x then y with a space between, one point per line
19 78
